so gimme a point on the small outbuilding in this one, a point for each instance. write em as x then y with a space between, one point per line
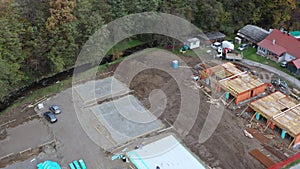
193 43
294 66
215 36
295 34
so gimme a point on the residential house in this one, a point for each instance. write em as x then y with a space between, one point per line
279 46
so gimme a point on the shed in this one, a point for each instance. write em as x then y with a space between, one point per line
166 153
193 43
294 66
252 33
296 34
215 36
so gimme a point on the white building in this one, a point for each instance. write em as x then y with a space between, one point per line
193 43
166 153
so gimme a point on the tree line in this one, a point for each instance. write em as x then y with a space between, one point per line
43 37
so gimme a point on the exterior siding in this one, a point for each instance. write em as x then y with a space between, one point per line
261 50
288 57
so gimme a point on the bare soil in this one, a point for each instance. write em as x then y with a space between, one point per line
227 148
14 117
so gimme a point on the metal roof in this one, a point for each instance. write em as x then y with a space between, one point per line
215 35
253 33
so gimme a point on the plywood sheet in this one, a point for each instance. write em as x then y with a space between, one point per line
266 161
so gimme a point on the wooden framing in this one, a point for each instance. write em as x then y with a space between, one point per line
281 110
239 84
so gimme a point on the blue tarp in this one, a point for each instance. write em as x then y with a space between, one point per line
48 165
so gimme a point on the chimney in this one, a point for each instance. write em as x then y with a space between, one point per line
273 41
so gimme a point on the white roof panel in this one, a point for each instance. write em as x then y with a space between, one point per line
166 153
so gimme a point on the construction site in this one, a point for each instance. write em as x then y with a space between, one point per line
125 121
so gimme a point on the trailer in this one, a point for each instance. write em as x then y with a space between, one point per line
233 56
225 54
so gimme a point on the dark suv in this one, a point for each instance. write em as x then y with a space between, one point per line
50 116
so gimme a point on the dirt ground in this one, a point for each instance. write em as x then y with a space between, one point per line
226 148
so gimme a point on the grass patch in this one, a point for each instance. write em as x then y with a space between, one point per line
46 91
292 164
250 54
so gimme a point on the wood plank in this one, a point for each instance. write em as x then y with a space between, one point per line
275 152
266 161
261 138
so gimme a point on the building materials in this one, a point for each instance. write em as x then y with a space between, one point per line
280 110
71 165
240 84
82 164
247 134
286 162
260 137
276 153
266 161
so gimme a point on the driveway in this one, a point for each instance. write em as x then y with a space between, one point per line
72 142
28 135
286 76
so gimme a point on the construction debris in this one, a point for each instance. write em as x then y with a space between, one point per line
247 134
275 152
266 161
256 134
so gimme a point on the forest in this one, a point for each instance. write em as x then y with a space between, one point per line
40 38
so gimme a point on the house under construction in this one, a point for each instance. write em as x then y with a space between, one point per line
239 84
281 111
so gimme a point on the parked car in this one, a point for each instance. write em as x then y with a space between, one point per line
50 116
243 47
280 83
55 109
216 45
283 64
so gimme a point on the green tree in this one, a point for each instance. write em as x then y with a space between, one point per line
11 53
